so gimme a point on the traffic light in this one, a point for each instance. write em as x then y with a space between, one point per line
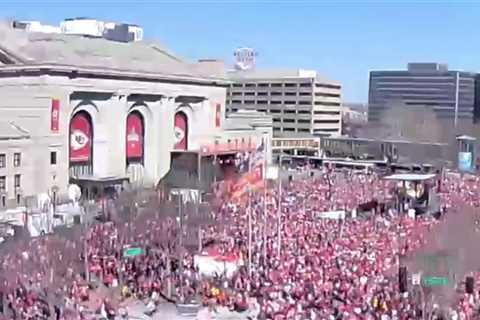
469 284
402 279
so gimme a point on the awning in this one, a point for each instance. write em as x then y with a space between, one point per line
410 177
96 180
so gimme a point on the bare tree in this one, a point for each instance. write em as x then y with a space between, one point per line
412 123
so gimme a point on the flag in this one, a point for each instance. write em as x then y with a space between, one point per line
258 157
252 180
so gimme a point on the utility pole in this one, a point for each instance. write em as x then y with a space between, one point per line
85 244
279 214
249 209
180 258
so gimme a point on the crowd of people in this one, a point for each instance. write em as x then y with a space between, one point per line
318 269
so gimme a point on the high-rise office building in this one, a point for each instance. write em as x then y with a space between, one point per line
300 101
451 94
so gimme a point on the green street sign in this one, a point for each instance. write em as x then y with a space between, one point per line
132 252
435 281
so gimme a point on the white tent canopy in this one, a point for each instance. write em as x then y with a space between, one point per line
410 177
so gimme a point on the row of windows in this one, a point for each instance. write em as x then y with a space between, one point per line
330 104
326 121
3 182
329 113
276 102
17 160
329 95
325 130
329 86
274 94
292 130
273 85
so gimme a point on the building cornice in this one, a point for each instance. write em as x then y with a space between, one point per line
106 73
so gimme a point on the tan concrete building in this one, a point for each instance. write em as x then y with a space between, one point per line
300 101
96 112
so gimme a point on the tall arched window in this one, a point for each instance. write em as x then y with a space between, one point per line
134 140
181 131
81 144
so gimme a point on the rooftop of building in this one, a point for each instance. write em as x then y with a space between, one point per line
278 75
423 67
21 48
295 135
246 119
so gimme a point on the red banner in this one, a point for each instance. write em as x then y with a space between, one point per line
218 115
55 115
181 131
134 136
80 138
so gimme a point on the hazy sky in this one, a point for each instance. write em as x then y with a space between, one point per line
342 40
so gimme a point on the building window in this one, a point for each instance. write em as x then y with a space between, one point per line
3 184
3 162
53 157
18 198
327 121
17 159
4 201
17 181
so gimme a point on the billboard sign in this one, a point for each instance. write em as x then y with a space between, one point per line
80 138
181 131
465 161
55 115
245 58
134 136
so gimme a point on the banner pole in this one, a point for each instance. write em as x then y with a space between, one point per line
249 209
279 215
265 209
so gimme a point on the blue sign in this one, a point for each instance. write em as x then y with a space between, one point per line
465 161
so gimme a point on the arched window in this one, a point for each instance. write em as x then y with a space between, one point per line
181 131
134 140
81 138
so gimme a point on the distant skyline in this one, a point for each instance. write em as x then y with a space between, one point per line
342 40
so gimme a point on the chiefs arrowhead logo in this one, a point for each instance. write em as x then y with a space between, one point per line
179 134
133 136
78 140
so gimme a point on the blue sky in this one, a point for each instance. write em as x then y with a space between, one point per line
342 40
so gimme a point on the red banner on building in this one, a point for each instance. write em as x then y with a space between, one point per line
218 115
80 138
55 115
134 136
181 131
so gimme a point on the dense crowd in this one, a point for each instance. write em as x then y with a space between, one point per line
323 269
